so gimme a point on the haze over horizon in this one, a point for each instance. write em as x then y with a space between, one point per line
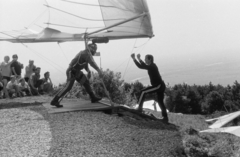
195 42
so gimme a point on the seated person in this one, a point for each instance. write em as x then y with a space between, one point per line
24 87
35 82
47 86
13 88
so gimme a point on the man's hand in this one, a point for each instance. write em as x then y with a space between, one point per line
89 74
133 56
138 56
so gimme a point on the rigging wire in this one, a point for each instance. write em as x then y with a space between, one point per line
133 47
140 51
32 50
45 59
37 18
106 6
142 44
48 13
54 24
83 17
38 25
63 52
73 26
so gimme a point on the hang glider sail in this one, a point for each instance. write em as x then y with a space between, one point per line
123 19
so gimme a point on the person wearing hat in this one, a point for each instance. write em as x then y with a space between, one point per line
16 67
80 62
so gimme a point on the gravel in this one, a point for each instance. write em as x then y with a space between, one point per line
31 131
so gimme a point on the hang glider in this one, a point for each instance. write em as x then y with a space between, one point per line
123 19
226 123
223 120
235 130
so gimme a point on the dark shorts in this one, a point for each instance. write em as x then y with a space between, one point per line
26 79
6 78
39 83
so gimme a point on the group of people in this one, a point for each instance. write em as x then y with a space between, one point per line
85 57
12 84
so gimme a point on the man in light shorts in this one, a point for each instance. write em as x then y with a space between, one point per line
13 87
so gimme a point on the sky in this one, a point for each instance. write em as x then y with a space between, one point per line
195 42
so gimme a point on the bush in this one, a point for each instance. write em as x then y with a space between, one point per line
213 102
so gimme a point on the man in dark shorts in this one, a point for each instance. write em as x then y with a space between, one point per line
47 83
80 62
16 67
158 85
35 82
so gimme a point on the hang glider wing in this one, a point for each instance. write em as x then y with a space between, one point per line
46 35
124 9
223 120
235 130
123 19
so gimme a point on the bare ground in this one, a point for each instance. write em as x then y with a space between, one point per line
28 130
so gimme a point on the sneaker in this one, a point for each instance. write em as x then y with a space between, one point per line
95 99
164 119
56 103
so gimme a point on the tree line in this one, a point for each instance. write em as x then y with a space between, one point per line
183 98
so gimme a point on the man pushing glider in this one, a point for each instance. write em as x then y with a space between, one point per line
80 62
158 85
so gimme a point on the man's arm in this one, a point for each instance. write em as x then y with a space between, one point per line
13 69
139 65
29 88
91 61
6 64
74 60
50 81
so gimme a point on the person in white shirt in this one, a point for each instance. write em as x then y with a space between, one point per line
24 87
29 70
5 70
13 88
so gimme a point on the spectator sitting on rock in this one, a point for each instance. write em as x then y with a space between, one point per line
13 88
24 87
35 82
16 67
29 70
47 86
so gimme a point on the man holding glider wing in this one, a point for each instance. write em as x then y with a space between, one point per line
80 62
158 85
